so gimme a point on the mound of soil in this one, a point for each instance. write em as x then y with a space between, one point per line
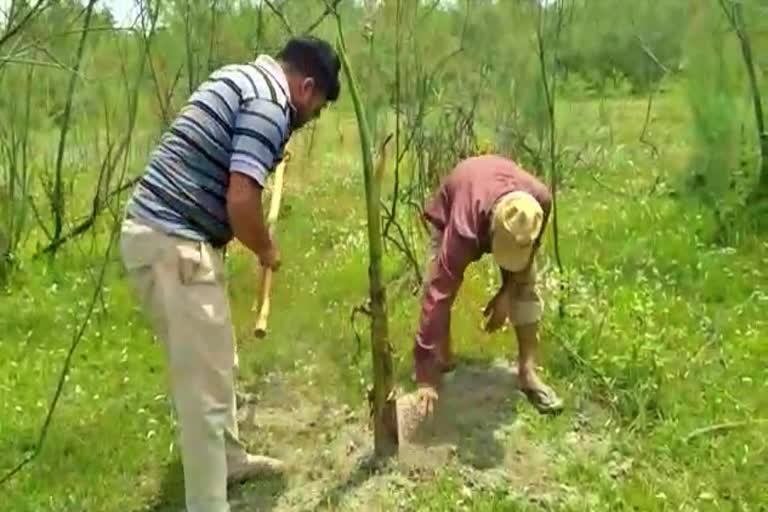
328 446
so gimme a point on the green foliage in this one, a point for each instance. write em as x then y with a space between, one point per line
663 333
723 148
611 40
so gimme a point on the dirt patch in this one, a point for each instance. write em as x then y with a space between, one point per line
475 431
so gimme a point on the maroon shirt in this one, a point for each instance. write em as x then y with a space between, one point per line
461 209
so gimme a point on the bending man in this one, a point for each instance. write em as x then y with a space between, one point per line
487 204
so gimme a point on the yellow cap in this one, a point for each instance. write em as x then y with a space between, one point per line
515 225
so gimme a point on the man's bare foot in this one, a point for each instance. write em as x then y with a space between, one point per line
427 401
541 396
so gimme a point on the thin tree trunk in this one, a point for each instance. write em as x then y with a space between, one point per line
259 27
550 93
191 65
396 187
736 19
212 46
746 51
57 202
386 440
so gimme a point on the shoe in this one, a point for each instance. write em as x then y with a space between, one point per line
253 466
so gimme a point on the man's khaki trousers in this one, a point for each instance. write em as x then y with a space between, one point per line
182 289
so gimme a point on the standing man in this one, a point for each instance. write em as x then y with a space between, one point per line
487 204
202 187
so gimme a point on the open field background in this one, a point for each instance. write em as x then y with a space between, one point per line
656 331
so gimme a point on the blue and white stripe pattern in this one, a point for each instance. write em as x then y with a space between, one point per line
239 120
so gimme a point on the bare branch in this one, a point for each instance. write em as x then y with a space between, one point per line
361 309
735 17
643 139
57 204
329 9
723 427
549 95
36 9
277 12
651 55
102 199
38 63
86 223
647 50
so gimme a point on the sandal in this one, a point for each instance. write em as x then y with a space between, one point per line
544 399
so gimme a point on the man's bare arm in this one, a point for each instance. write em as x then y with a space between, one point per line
246 216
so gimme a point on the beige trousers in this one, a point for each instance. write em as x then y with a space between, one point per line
181 286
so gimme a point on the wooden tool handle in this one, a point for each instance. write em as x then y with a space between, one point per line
265 295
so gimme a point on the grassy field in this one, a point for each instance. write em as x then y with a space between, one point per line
660 356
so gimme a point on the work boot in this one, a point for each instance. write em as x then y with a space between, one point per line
253 466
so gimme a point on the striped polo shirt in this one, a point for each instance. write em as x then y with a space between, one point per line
238 120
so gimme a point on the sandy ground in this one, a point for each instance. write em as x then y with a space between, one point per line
475 430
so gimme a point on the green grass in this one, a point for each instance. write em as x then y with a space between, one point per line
665 332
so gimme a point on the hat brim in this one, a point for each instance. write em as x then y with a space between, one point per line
512 259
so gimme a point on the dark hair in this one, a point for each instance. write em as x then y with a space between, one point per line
315 58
